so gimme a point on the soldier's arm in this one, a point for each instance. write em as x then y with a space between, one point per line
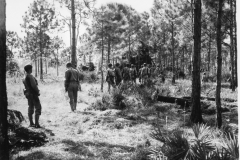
66 82
33 84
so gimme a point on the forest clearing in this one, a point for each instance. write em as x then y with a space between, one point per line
95 132
118 80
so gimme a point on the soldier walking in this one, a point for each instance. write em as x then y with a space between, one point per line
125 74
139 74
145 73
110 77
133 74
118 76
32 94
71 85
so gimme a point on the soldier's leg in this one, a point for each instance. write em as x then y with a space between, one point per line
38 111
30 111
109 87
75 95
71 97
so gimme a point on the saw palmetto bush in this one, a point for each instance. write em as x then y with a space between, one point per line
117 99
179 146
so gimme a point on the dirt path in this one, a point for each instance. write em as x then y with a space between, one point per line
80 135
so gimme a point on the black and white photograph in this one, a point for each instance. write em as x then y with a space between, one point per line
119 79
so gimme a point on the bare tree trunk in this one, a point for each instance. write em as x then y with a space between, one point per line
173 56
209 52
41 53
109 49
219 65
196 113
74 58
102 61
36 66
4 144
235 43
70 31
231 48
57 62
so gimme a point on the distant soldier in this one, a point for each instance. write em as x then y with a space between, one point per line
139 73
144 73
71 85
110 77
125 74
32 93
118 75
157 71
152 69
133 74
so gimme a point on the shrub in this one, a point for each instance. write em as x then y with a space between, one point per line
117 99
176 145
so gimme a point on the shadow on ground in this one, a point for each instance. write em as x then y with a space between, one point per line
82 151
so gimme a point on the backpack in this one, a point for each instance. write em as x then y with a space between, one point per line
144 71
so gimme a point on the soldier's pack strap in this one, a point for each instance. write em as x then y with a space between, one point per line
72 75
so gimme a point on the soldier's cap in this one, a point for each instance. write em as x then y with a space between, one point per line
132 65
28 67
145 64
69 64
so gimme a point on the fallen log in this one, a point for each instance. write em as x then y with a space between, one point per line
179 101
213 99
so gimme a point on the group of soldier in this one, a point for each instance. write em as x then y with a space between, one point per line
32 93
129 74
115 77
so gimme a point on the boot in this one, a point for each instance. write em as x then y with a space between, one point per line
72 107
37 121
75 106
31 120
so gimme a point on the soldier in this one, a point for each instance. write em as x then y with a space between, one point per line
79 84
144 73
152 69
110 77
157 71
118 76
139 74
133 74
125 74
32 94
71 85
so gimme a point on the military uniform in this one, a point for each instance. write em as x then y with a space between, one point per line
125 74
110 78
144 74
157 71
71 86
118 77
133 74
32 94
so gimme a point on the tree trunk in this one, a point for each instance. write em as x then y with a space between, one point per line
57 62
74 60
70 31
219 65
196 113
173 56
235 43
4 144
209 52
109 49
102 61
231 48
41 52
36 66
